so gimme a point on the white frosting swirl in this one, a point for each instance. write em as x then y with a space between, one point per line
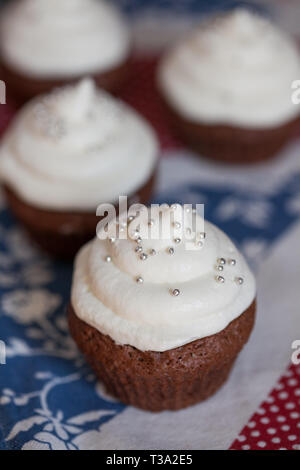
235 69
63 38
76 148
147 315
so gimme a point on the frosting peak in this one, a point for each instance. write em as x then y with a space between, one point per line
76 148
63 38
73 103
156 294
234 69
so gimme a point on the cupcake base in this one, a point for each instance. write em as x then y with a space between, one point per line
168 380
232 144
61 234
23 87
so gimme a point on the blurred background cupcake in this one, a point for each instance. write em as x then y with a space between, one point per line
228 87
45 44
69 151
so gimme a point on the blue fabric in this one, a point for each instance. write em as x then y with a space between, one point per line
48 396
134 6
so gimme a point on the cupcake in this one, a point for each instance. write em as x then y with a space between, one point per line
45 44
161 319
228 87
67 152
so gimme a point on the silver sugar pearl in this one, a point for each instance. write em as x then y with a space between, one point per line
175 292
130 218
239 280
139 280
112 240
138 240
152 252
138 249
177 225
220 279
143 256
151 223
221 261
177 240
171 250
202 235
232 262
219 268
108 259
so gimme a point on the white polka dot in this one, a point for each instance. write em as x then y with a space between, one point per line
296 446
294 415
283 395
298 425
276 440
261 411
265 420
274 409
290 406
292 438
241 438
288 373
297 392
279 386
285 427
261 444
271 431
282 448
270 400
246 447
292 382
255 433
280 419
252 424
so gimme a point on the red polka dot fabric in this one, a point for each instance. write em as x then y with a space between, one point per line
276 424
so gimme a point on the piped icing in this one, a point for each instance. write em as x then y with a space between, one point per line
63 38
236 69
76 148
158 292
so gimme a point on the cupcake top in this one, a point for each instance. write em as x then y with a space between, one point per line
235 69
159 285
63 38
76 148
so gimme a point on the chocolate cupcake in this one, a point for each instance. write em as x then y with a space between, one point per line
228 87
161 319
48 44
68 152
